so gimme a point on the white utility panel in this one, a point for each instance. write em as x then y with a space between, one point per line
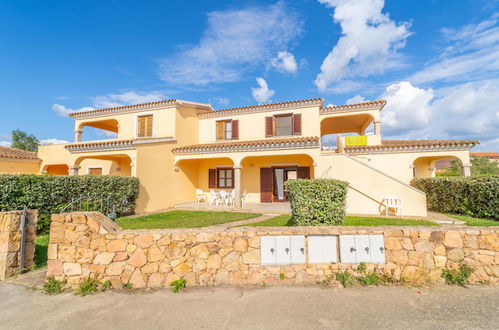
322 249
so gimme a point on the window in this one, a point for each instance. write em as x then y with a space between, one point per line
95 170
283 125
227 130
144 126
225 178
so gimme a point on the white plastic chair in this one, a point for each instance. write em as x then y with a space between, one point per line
200 195
394 203
232 197
223 197
243 198
214 197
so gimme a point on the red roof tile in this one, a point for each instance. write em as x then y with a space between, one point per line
6 152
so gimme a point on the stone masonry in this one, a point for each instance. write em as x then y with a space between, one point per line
10 242
86 245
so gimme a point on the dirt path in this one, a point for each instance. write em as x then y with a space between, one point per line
259 308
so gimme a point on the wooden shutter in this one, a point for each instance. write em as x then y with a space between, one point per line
235 129
266 184
297 124
269 126
95 171
148 125
212 178
220 130
303 173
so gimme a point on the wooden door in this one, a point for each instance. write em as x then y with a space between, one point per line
266 184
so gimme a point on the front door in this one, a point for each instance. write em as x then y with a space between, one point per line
272 181
281 175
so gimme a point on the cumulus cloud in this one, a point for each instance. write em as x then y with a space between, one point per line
368 45
234 42
5 143
355 99
263 93
471 53
285 62
222 101
112 100
407 108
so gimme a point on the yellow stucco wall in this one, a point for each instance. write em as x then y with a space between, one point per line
252 125
18 166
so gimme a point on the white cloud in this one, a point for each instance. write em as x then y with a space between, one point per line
62 110
5 143
355 99
116 100
223 101
368 45
285 62
407 107
234 42
472 53
112 100
262 94
52 141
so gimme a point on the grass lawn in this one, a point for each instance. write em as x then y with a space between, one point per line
42 243
470 221
182 219
285 220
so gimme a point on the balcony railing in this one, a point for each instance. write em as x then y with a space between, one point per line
108 145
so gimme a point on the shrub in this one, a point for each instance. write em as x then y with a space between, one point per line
317 202
88 286
459 277
178 285
53 286
49 194
474 196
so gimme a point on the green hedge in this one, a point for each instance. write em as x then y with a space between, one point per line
317 202
49 194
474 196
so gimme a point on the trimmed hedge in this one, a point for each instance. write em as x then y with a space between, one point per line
317 202
474 196
49 194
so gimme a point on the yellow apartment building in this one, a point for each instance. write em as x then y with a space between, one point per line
175 147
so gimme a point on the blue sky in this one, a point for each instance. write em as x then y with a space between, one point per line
436 62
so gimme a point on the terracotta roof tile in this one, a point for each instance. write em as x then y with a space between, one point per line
269 106
6 152
385 144
355 106
124 107
276 141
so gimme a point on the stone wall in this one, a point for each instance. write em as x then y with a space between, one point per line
10 242
89 244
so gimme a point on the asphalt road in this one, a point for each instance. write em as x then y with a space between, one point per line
260 308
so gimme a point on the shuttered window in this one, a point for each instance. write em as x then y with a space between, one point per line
95 171
297 124
283 125
269 126
144 126
227 130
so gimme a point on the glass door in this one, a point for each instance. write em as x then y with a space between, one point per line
279 184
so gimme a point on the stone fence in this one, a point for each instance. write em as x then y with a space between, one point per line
86 245
10 242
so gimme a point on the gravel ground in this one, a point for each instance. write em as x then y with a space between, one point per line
441 307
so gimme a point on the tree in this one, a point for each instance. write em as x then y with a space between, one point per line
24 141
484 166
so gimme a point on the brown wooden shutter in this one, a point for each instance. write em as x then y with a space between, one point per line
297 124
269 126
212 178
235 129
266 184
149 125
141 127
220 130
95 171
303 173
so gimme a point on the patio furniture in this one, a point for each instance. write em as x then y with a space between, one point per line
200 195
224 197
231 197
393 203
243 198
214 197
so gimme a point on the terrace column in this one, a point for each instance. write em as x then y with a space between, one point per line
237 186
377 128
73 170
78 135
466 169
